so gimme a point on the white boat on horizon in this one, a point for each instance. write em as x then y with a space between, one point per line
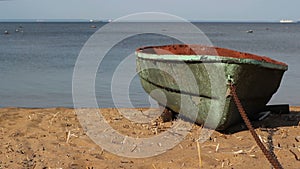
286 21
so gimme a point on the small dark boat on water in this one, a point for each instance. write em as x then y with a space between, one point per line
250 31
196 79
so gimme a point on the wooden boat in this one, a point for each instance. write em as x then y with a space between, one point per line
207 92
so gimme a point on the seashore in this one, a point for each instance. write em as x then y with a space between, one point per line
54 138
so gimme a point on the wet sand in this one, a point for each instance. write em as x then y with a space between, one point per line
54 138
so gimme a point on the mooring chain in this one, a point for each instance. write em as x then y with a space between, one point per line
269 155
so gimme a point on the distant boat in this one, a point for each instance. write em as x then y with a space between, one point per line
93 26
286 21
40 20
249 31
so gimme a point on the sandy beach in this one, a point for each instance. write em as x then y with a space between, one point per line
53 138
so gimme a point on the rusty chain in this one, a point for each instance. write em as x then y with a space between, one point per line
269 154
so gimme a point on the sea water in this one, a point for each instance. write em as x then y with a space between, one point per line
37 60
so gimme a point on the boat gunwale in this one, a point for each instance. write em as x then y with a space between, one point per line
212 59
204 58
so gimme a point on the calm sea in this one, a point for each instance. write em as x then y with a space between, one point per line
37 60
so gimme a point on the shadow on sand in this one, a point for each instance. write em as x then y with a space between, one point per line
272 121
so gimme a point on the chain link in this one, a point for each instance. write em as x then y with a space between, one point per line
269 154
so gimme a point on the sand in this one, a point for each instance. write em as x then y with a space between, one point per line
54 138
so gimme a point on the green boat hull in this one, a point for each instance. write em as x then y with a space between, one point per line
207 91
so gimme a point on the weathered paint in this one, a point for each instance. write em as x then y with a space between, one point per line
257 79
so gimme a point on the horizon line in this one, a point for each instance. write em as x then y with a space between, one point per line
111 20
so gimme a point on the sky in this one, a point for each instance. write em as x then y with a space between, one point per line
201 10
